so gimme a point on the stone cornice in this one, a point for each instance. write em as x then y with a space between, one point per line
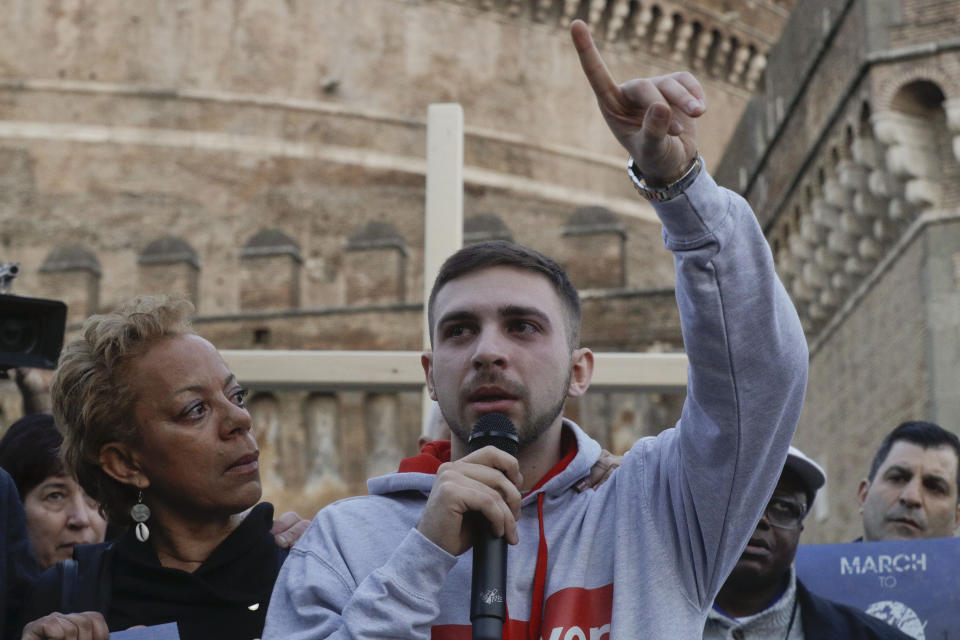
725 44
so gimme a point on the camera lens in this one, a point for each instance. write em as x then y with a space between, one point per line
18 335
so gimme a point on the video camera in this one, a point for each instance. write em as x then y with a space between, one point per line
31 329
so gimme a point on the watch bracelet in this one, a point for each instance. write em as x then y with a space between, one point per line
662 194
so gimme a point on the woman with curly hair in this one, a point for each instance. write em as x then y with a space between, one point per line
156 431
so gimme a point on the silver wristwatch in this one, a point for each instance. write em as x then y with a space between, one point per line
660 194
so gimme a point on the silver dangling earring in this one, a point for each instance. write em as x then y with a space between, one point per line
140 514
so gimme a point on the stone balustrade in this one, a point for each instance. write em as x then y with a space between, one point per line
868 185
720 44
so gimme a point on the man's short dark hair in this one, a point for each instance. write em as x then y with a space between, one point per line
500 253
923 434
30 451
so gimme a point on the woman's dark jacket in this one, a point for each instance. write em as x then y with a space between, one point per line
226 597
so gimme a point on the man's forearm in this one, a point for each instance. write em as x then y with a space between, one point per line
400 599
748 365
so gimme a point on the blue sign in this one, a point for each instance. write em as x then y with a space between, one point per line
166 631
912 584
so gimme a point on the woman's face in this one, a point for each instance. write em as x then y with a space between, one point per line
197 450
60 515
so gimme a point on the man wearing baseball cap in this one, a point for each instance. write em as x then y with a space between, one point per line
762 598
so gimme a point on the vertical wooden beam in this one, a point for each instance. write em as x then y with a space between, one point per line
443 226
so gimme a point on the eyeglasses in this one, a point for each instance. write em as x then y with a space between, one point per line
784 513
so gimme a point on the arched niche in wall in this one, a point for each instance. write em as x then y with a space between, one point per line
71 273
270 263
918 147
375 265
484 227
169 265
594 249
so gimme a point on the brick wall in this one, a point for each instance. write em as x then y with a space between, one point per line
919 21
943 308
125 126
870 375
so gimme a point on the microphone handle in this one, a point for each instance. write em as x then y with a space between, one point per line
488 602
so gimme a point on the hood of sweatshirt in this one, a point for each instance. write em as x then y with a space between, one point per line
417 473
579 453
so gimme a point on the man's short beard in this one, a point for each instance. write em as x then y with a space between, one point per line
537 425
532 427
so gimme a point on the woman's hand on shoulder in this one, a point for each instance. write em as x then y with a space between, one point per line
88 625
288 528
600 472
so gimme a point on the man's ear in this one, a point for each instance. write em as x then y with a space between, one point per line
956 520
426 359
864 487
120 463
581 367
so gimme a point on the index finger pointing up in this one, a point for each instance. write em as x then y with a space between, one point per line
593 67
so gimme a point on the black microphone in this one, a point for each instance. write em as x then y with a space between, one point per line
488 597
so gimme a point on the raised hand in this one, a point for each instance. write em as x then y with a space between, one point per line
653 118
34 385
486 482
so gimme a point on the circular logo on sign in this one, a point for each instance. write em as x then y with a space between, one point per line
898 615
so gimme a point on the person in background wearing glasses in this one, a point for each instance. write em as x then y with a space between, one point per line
762 598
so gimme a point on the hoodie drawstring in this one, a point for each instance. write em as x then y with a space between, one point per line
539 578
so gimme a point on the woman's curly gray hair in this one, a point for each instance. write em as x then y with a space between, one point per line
92 399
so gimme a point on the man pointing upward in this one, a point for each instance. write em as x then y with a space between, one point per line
647 551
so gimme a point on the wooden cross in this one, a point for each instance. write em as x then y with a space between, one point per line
401 370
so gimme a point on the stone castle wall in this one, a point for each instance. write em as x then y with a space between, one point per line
865 379
266 160
853 169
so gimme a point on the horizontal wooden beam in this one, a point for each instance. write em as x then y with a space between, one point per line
401 370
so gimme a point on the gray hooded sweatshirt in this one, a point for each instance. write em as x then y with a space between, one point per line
643 555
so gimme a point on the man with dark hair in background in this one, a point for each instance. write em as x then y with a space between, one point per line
912 489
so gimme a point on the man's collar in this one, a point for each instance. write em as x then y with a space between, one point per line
435 453
775 615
